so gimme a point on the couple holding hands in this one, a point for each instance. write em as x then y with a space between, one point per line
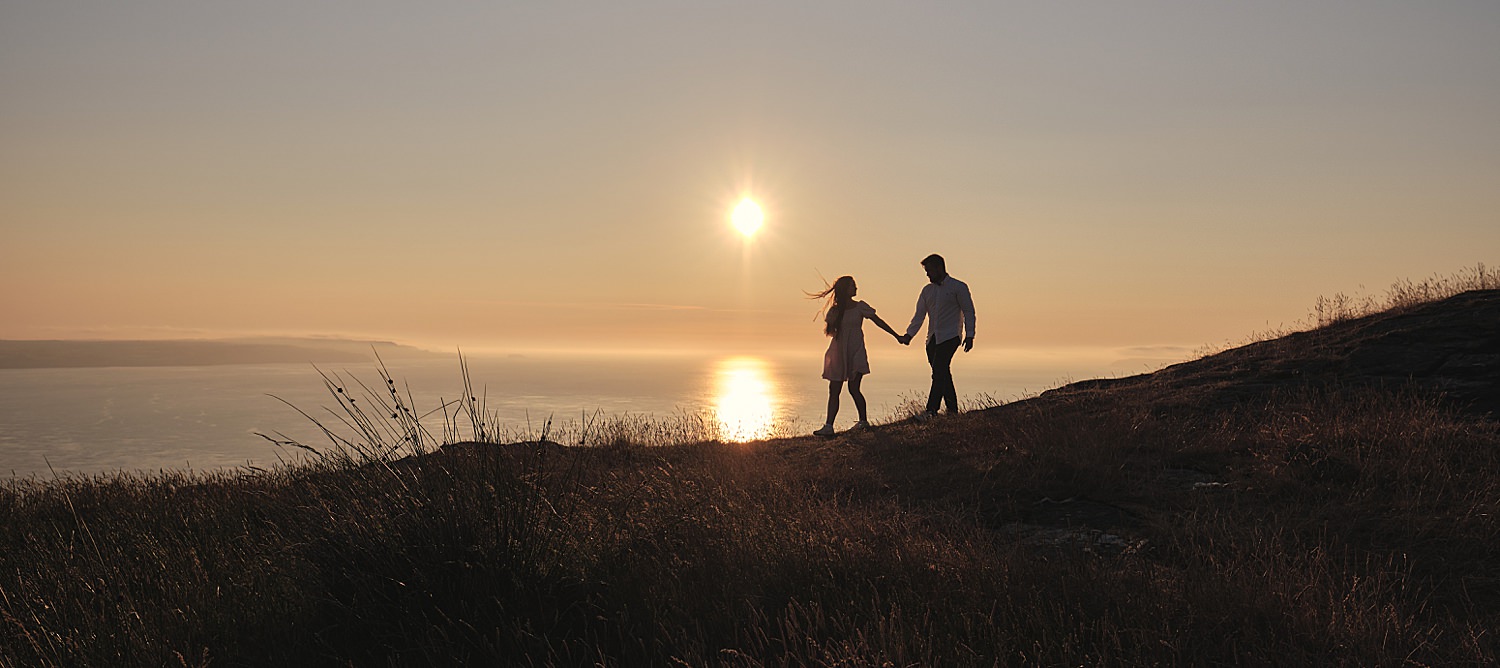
945 304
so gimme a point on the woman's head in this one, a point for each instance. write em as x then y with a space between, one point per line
842 292
844 289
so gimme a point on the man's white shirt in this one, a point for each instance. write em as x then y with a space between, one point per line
946 305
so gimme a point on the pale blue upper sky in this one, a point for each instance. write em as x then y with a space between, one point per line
1101 173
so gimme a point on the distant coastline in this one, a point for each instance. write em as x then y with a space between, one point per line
216 352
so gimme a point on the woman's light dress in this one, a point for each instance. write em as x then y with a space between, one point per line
846 356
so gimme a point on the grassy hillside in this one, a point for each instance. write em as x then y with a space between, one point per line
1300 501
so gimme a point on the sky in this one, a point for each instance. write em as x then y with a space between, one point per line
1132 176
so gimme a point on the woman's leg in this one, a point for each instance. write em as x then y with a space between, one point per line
859 399
834 388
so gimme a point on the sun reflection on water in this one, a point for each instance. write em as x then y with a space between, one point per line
744 397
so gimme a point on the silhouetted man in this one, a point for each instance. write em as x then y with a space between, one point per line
944 301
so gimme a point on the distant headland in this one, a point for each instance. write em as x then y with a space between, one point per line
197 352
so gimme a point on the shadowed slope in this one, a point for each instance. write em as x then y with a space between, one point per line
1451 347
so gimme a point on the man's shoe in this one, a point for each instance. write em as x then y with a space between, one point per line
924 416
827 430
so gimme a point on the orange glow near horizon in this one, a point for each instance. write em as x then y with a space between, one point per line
743 398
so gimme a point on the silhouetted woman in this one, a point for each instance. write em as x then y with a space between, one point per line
846 359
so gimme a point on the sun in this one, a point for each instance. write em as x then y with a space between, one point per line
747 217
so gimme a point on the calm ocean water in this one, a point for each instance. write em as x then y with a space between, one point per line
206 418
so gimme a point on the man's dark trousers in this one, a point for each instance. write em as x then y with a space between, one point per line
940 356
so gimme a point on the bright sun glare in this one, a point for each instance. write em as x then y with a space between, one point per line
744 393
747 217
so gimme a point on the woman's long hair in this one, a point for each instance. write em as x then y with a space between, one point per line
842 292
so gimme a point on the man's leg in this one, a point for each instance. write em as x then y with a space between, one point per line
951 396
940 357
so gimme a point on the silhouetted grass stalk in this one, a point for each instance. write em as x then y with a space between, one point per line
1403 294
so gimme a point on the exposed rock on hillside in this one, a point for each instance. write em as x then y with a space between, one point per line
1451 347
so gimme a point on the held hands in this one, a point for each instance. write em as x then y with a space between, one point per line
968 342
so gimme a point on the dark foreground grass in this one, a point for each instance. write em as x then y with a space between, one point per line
1316 527
1157 520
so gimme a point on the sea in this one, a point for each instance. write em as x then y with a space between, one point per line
138 420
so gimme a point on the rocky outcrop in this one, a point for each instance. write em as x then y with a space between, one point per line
1450 347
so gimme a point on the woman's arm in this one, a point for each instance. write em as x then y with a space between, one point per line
881 324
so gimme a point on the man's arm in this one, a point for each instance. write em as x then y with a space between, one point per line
916 320
966 307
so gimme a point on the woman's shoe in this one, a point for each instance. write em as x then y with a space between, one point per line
860 425
827 430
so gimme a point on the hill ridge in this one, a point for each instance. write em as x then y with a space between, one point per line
1450 347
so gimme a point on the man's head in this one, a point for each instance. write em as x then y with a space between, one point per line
937 270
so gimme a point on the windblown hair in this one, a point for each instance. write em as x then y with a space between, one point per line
840 294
